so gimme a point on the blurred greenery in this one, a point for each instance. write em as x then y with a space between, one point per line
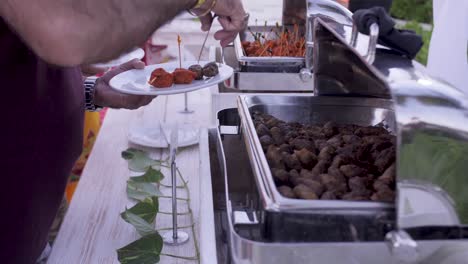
417 10
442 161
426 35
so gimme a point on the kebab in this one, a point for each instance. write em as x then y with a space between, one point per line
160 78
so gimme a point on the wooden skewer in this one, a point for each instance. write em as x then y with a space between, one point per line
179 40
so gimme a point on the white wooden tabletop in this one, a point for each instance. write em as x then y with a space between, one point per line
92 230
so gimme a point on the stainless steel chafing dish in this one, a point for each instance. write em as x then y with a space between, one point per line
285 74
429 221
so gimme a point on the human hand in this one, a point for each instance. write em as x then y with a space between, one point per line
231 16
105 96
91 70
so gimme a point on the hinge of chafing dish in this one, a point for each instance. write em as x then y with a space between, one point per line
373 38
402 247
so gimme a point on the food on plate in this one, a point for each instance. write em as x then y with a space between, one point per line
286 43
161 78
210 69
329 161
183 76
198 70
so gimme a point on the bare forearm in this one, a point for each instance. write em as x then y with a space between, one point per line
74 32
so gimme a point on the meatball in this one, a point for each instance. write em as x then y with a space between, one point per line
286 191
307 158
277 135
328 195
262 130
304 192
280 175
300 143
198 70
326 154
210 69
161 79
183 76
352 170
291 161
315 186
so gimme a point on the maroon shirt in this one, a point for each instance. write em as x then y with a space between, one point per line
41 110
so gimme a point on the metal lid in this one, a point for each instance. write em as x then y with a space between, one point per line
340 70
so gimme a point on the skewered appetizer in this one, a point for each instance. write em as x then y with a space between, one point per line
160 78
289 44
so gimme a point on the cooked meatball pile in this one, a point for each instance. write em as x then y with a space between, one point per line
329 161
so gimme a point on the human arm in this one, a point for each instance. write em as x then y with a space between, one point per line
76 32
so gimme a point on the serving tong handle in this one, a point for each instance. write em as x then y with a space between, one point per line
373 39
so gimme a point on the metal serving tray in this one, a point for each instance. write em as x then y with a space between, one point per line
240 242
304 109
244 59
271 64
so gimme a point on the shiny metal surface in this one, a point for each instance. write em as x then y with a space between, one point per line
243 59
374 37
425 204
295 12
310 110
244 249
403 248
431 116
339 69
262 81
327 11
180 238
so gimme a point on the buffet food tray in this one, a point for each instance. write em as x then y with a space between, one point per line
311 110
272 63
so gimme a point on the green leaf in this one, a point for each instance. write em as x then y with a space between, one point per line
145 250
138 160
151 175
146 209
142 227
141 190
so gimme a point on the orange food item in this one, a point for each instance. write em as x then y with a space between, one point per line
286 44
183 76
161 78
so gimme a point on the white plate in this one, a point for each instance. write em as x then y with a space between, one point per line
136 81
137 53
150 136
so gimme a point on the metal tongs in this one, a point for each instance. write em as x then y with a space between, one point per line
175 237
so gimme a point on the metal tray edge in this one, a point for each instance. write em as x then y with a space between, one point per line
276 201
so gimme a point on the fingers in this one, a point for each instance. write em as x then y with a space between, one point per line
231 26
133 64
225 37
91 70
206 22
233 23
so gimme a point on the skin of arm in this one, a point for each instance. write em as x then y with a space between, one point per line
75 32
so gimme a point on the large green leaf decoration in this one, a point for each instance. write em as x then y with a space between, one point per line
146 209
145 250
151 175
141 190
142 227
138 160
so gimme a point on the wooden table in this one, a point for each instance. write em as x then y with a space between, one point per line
92 229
